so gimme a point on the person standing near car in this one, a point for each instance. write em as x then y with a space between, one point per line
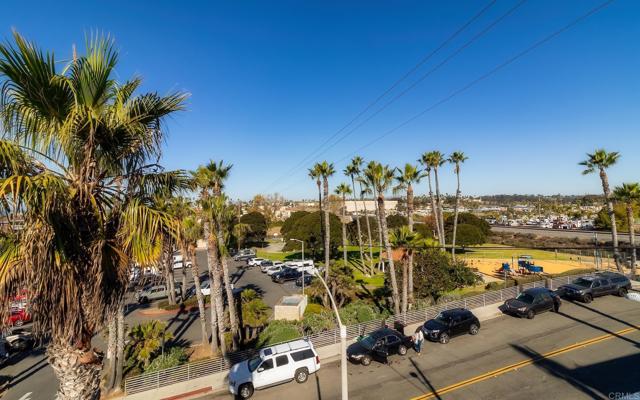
419 339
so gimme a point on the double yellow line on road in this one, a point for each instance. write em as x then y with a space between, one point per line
513 367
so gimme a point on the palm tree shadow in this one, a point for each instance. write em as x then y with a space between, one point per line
319 394
418 374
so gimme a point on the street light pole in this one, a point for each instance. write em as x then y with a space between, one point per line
343 342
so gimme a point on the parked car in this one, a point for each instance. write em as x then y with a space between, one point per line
18 316
287 274
19 340
264 267
531 302
156 292
308 279
302 265
587 288
378 345
451 323
255 261
272 366
275 269
244 255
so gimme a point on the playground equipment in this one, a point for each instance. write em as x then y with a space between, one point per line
526 266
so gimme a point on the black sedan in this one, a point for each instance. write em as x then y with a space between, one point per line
378 345
532 302
308 279
287 274
451 323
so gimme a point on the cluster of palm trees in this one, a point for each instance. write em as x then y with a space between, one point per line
377 179
628 194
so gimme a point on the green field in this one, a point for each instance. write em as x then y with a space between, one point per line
506 252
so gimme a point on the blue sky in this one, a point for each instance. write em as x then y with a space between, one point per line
271 81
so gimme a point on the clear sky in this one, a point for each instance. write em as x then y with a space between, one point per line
271 81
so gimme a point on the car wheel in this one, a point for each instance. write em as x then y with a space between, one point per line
531 314
366 360
444 338
473 329
402 350
301 375
245 391
556 307
281 281
588 298
622 292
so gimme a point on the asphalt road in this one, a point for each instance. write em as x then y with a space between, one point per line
510 358
603 236
31 374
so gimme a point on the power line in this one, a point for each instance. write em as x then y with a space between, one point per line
391 88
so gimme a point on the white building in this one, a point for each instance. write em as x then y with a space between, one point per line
389 205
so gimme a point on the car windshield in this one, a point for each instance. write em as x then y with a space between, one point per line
368 342
254 362
583 282
443 318
525 298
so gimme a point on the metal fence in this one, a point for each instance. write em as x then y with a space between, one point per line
197 369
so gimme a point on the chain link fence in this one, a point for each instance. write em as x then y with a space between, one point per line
197 369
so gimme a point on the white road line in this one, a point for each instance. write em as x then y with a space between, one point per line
27 396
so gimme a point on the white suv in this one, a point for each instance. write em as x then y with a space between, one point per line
274 365
254 262
266 267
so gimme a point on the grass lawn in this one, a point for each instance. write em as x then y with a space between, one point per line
279 256
506 252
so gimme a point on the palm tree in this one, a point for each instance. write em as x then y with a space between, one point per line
326 170
599 161
629 194
436 159
343 190
456 158
240 231
77 160
406 178
426 162
316 175
147 339
404 238
380 178
352 171
255 313
356 165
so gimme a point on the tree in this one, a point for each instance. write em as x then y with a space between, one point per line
343 190
309 230
426 160
599 161
290 222
434 160
146 340
255 313
357 162
629 193
437 273
470 219
341 285
325 170
456 158
468 235
380 178
351 171
258 224
405 239
397 221
241 231
77 161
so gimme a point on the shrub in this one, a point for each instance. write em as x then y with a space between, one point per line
358 312
467 235
318 322
279 331
314 308
171 358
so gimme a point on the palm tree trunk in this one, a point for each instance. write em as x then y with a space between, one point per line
366 215
439 205
184 275
111 351
119 347
327 255
632 240
387 245
612 218
344 229
233 317
216 292
410 268
434 211
212 255
355 204
378 219
77 370
195 271
455 216
405 285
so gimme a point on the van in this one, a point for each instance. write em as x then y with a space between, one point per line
302 266
272 366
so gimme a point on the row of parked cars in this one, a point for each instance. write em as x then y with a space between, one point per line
300 271
296 360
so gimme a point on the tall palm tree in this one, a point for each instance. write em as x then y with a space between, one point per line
380 177
629 194
352 171
316 175
326 170
343 190
406 179
404 238
599 161
456 158
434 160
424 160
77 160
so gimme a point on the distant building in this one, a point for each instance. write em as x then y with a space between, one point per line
370 205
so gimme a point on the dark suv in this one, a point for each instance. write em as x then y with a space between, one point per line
601 284
287 274
378 345
532 302
451 323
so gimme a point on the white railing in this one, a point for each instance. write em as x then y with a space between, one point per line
197 369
